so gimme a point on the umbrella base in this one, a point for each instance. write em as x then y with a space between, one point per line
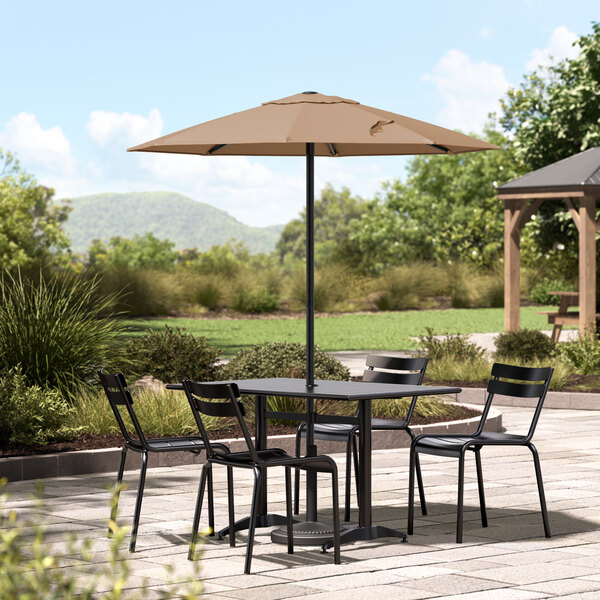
306 533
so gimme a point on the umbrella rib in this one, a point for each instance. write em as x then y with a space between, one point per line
217 147
440 147
332 149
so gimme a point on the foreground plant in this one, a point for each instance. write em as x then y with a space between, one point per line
32 568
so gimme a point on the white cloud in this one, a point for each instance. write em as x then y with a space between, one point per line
124 129
470 89
38 149
560 46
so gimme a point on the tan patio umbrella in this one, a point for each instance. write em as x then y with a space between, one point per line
311 124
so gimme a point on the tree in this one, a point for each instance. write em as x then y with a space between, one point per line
334 212
554 114
447 210
140 252
30 224
556 111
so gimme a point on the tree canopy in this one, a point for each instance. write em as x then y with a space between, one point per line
30 223
334 212
446 210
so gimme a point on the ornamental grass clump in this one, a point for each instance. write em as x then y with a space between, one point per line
59 330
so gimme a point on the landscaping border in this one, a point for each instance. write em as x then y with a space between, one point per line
82 462
561 400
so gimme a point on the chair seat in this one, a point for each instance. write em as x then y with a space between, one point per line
279 457
332 432
190 444
451 445
387 424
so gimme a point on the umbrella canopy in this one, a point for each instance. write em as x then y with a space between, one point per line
336 126
311 124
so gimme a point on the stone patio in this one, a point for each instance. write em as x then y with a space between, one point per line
509 559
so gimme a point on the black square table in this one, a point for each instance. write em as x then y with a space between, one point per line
324 390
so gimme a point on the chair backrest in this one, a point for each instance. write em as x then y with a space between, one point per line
523 382
197 394
119 396
399 369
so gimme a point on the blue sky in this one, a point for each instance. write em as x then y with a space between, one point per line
82 81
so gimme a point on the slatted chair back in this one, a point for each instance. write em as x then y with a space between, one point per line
523 382
230 408
119 396
409 371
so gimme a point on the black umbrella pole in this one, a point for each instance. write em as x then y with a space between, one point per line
310 264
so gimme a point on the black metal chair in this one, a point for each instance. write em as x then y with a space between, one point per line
534 384
256 460
406 371
119 396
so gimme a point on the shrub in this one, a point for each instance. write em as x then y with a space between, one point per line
406 287
454 347
259 300
171 355
284 359
160 414
142 292
469 288
524 345
57 330
330 287
206 291
30 414
539 292
582 353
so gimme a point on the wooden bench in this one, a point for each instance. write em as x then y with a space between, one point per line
562 316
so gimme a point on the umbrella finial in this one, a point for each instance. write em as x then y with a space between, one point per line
310 92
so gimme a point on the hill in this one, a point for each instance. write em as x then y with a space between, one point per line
168 215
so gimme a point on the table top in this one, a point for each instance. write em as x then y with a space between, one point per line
332 390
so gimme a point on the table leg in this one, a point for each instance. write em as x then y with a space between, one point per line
365 530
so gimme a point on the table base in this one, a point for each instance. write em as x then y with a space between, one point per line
363 534
306 533
268 520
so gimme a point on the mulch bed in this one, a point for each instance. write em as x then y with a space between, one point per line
113 440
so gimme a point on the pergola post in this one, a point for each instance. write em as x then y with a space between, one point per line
512 264
587 264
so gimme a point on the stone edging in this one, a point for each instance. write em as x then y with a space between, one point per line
20 468
562 400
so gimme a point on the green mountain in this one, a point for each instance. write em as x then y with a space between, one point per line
168 215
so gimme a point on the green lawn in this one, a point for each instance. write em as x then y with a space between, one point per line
376 331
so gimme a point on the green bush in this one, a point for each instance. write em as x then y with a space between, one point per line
172 355
259 300
30 414
524 345
283 359
472 289
57 329
583 354
331 287
454 347
539 292
206 291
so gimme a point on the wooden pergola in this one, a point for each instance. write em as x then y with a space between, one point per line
575 180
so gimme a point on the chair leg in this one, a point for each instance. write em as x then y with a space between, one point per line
252 524
138 502
288 509
356 467
231 506
297 476
420 485
201 486
336 519
484 521
411 490
115 498
211 504
348 476
459 504
540 484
